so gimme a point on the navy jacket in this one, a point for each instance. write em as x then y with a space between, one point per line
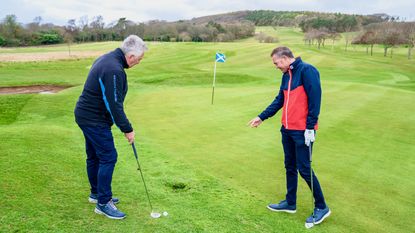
299 96
101 101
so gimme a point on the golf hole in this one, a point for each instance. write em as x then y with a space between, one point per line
177 186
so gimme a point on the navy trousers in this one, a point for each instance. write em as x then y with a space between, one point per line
297 159
101 159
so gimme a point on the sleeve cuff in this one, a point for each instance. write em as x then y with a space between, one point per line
262 117
128 130
310 127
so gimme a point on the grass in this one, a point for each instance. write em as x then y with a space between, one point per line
201 163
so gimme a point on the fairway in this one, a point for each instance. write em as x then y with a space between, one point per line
201 162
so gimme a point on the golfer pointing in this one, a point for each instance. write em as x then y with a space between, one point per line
300 97
101 105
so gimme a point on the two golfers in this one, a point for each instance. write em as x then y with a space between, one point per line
101 105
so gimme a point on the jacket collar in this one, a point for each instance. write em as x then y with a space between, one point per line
120 54
296 63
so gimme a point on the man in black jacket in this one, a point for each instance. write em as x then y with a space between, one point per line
98 108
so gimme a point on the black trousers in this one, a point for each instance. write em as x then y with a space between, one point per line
101 159
297 160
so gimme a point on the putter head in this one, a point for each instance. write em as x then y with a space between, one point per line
309 225
155 215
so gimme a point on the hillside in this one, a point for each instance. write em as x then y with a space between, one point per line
282 18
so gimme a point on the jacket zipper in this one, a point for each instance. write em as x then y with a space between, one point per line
288 98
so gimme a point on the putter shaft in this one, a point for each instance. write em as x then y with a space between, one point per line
142 177
311 182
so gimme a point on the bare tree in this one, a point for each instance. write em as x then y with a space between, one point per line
38 20
390 35
409 30
185 37
309 37
320 35
264 38
121 26
260 37
83 27
70 31
333 36
83 22
348 24
97 27
367 37
35 25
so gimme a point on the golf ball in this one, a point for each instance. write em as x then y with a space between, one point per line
165 213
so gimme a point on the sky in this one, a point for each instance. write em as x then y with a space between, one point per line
60 11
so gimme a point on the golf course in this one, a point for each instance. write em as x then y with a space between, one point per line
201 162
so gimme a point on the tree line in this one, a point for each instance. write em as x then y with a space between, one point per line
381 29
303 19
317 27
389 35
387 32
222 27
13 33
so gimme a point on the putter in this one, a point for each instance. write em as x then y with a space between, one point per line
152 214
308 225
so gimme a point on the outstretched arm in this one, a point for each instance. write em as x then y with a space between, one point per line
270 111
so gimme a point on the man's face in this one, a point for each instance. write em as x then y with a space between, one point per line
282 63
133 60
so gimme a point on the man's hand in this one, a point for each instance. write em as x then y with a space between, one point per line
130 137
309 136
255 122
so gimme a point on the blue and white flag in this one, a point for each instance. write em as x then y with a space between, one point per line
220 57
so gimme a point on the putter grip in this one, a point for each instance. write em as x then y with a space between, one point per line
310 153
135 151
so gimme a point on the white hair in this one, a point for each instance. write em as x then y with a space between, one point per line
133 45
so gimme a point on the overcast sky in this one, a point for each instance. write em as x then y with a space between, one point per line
60 11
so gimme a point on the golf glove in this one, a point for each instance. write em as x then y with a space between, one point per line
309 136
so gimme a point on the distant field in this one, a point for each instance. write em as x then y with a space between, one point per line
364 154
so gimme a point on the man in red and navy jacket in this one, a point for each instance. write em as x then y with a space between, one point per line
300 98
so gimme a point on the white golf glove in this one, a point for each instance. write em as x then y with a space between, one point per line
309 136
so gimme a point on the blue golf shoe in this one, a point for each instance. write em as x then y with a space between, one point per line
93 198
283 206
319 216
109 210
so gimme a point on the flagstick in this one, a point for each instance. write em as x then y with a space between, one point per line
214 81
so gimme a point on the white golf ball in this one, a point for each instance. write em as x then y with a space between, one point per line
165 213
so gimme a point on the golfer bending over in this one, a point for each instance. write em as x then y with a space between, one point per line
99 106
300 98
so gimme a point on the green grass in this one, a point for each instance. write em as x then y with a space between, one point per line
201 163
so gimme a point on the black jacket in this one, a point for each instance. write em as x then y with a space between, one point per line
101 101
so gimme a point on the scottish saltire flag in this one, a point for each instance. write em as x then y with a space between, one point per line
220 57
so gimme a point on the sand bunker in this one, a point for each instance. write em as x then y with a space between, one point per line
41 89
47 56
